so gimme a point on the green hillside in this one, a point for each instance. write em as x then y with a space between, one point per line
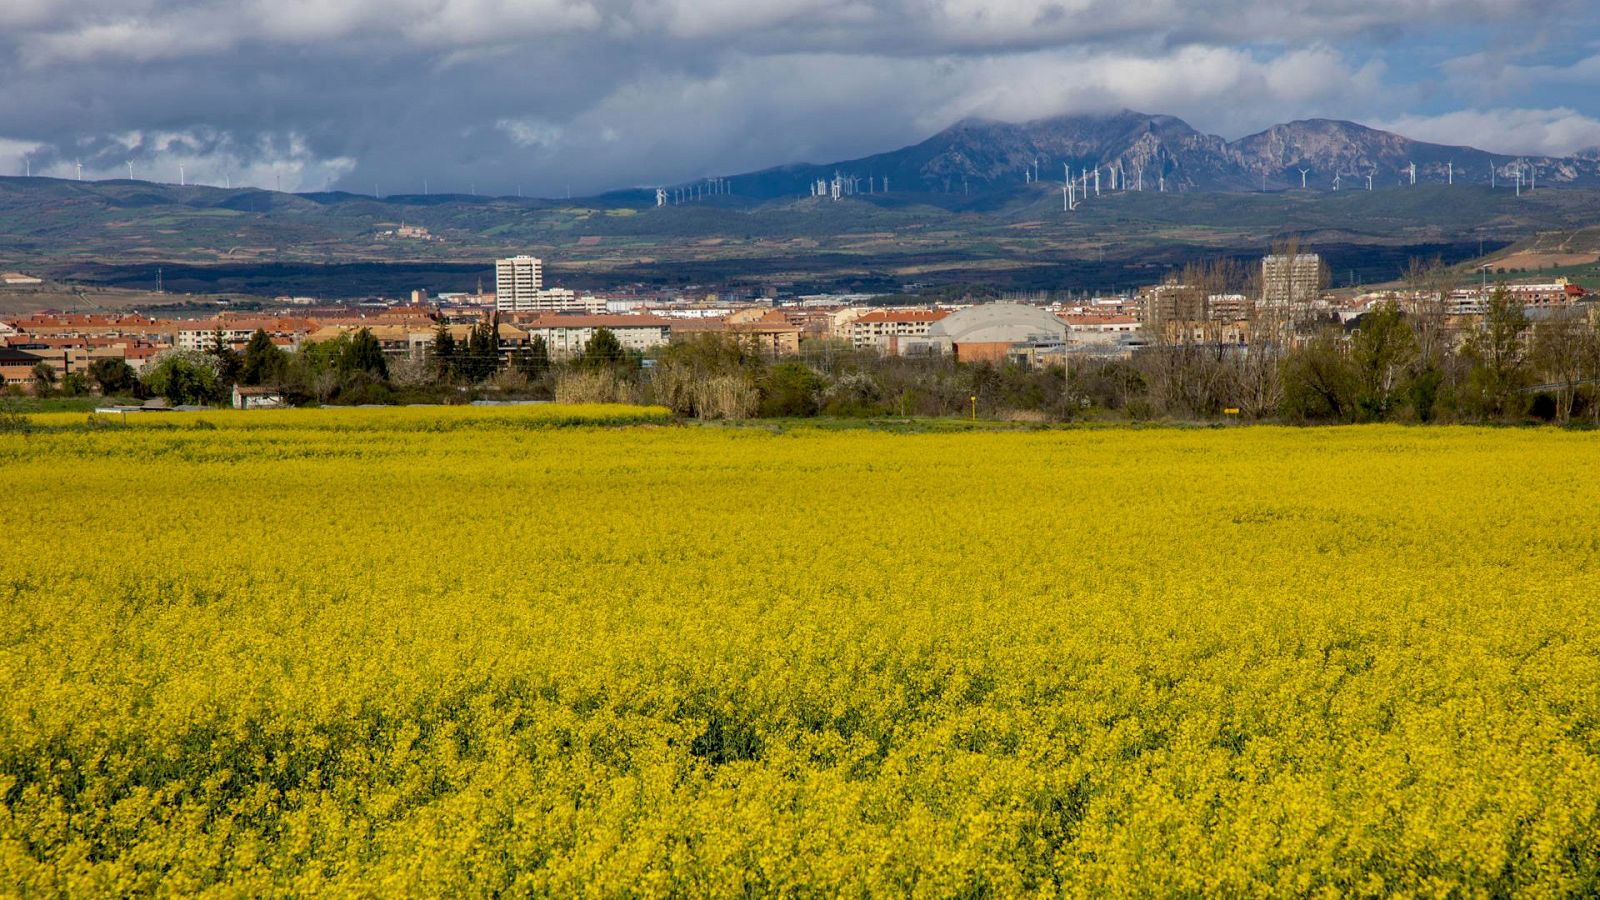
261 242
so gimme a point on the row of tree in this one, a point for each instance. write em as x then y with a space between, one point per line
1392 364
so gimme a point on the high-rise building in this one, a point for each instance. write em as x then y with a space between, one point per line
1169 302
1290 281
518 280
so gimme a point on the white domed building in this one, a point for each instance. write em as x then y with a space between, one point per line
988 332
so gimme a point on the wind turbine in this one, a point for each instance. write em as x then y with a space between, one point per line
1303 174
130 170
1336 181
1369 184
1450 173
1412 168
80 169
180 176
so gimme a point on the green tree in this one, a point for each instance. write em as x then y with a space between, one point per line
533 361
228 359
443 353
1318 383
74 384
482 358
1382 350
705 375
602 351
185 378
113 376
313 372
1498 356
363 354
44 378
1423 389
791 389
263 362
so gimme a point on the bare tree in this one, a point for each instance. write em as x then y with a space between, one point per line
1498 354
1426 287
1561 352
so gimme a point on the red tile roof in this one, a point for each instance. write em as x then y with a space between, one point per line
905 315
618 321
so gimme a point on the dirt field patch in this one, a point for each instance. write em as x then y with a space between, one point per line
1541 259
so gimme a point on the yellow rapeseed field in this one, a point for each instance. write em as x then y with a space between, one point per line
423 652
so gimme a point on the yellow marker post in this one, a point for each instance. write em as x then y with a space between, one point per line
974 407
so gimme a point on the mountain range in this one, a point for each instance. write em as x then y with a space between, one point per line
959 208
1164 152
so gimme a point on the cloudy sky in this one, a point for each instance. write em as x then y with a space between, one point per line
548 96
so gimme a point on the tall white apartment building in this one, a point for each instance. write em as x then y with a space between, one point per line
1291 281
518 280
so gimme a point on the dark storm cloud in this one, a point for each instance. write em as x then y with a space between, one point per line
591 94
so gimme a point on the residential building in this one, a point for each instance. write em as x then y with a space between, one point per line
1169 302
1100 329
414 341
567 335
76 354
891 330
1472 301
1290 282
16 366
237 330
551 300
1230 308
517 282
769 334
140 327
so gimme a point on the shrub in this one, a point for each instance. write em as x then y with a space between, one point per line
791 389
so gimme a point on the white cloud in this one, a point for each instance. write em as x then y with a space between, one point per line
601 92
68 30
128 39
14 154
531 132
196 156
1221 89
755 111
1534 132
